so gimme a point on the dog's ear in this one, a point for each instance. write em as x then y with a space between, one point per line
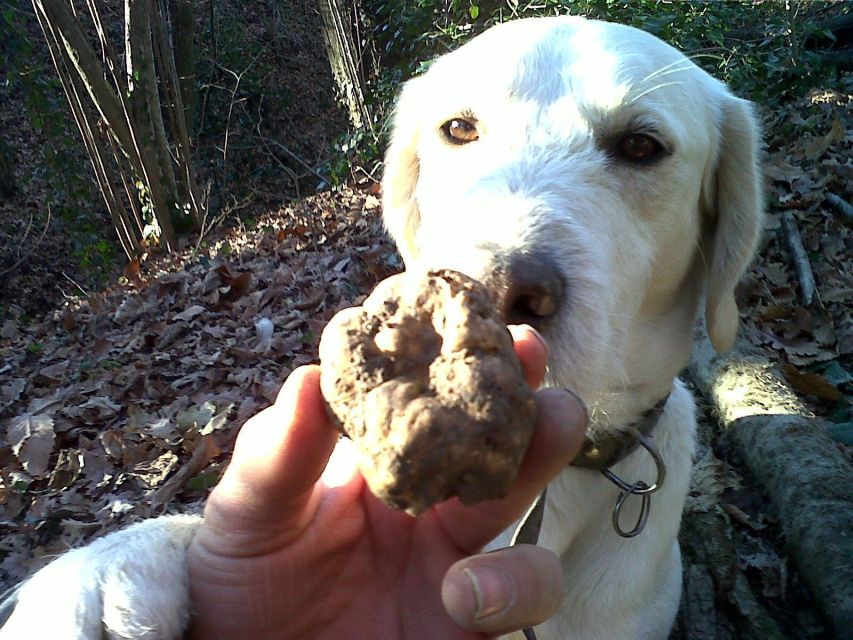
399 205
735 205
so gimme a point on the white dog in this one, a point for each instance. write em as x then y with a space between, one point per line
606 188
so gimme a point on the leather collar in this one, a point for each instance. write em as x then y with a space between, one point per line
614 447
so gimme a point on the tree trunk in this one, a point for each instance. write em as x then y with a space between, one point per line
344 57
141 115
151 137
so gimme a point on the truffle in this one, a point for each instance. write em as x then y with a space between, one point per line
424 379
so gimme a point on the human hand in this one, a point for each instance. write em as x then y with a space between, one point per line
294 545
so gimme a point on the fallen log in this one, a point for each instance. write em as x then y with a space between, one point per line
789 452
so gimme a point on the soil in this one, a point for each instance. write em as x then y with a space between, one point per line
133 378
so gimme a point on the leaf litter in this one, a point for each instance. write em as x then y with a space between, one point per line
125 405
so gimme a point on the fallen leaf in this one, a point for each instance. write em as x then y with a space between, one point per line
13 389
205 451
811 384
32 439
190 313
816 146
131 272
9 330
239 287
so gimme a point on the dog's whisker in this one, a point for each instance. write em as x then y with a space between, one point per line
672 67
654 88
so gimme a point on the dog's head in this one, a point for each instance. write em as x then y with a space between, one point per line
596 178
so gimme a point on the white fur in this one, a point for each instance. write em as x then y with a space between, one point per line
131 584
637 246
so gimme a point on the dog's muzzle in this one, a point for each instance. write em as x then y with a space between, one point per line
530 289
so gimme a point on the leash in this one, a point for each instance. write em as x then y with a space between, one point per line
600 456
528 533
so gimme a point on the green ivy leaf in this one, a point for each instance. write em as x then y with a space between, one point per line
473 11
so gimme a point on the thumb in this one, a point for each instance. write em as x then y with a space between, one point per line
504 590
278 457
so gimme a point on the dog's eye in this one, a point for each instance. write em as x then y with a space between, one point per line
460 131
639 147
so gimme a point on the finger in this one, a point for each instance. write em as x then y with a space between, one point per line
279 454
556 439
532 352
503 591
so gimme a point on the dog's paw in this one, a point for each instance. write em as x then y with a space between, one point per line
129 584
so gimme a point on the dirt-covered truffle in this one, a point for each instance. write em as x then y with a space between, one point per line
424 379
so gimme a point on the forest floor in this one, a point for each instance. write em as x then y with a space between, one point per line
121 402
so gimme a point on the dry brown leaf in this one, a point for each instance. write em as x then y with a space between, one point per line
239 287
131 272
205 451
190 313
13 389
129 310
816 146
32 438
9 330
811 384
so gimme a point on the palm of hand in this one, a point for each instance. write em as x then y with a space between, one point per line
294 545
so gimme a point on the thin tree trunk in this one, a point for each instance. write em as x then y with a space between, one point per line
176 111
74 87
344 59
185 59
130 100
148 120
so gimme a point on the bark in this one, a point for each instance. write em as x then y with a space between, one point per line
840 204
189 210
802 265
75 88
65 30
148 119
345 59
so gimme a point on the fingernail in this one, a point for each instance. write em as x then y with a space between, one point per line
513 329
538 337
493 590
581 403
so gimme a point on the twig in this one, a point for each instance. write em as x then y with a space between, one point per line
74 282
839 204
808 289
238 78
266 141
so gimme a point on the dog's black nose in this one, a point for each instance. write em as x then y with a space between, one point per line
534 290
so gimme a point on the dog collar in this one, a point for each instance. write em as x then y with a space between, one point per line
603 453
600 455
